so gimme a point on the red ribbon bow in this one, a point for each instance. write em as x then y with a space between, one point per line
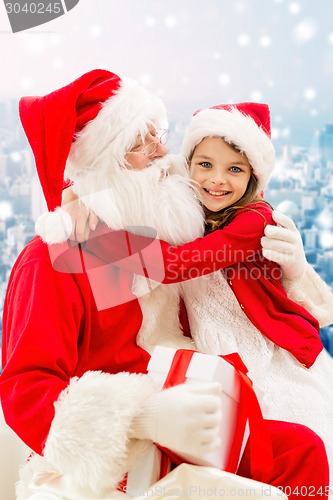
261 454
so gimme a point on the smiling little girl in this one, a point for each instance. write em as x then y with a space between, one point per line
244 308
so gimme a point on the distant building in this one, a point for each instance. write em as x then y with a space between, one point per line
326 144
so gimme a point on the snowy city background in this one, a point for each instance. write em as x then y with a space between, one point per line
194 53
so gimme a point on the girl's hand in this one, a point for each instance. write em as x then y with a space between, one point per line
83 220
283 244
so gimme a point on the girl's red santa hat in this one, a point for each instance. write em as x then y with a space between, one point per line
245 125
86 128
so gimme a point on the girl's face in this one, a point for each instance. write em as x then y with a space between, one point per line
221 172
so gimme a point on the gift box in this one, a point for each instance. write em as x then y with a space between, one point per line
145 472
241 416
240 407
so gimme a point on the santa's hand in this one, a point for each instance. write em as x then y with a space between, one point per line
83 220
185 418
283 244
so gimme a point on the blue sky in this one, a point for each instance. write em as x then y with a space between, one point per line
194 53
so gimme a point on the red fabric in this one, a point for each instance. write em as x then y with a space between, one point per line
254 280
54 333
51 121
183 319
300 466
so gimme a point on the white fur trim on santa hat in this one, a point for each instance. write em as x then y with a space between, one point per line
89 435
123 116
54 227
238 129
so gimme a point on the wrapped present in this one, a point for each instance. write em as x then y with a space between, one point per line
195 483
241 410
152 466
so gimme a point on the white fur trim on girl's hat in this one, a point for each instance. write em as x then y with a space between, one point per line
246 125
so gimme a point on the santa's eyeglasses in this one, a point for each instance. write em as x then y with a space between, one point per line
149 149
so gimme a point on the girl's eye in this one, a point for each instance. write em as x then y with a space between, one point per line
205 164
235 169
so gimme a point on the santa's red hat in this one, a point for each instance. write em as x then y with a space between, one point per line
95 110
246 125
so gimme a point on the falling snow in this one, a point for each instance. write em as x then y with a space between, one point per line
95 31
305 31
171 22
150 21
224 79
295 8
277 51
265 41
243 40
310 94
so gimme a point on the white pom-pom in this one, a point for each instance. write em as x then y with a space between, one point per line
54 227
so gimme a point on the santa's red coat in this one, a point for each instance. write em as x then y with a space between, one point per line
53 331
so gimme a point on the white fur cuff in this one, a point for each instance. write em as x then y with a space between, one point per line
89 435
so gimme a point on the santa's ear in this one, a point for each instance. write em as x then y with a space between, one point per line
54 227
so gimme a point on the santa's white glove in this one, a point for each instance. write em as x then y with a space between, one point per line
283 244
185 418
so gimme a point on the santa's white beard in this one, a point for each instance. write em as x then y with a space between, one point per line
160 197
157 197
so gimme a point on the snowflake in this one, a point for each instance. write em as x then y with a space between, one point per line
56 40
150 21
5 210
34 46
326 239
224 79
58 63
170 22
243 40
26 83
304 31
294 8
265 41
310 94
256 96
95 31
240 7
